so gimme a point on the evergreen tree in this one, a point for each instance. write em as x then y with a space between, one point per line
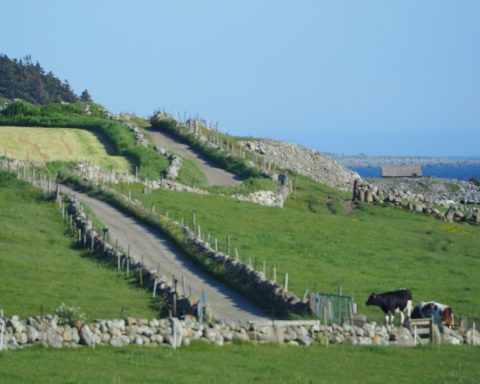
85 96
21 79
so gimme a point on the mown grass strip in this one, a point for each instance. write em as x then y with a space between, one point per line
244 363
151 164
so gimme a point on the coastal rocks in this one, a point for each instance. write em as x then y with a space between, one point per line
305 161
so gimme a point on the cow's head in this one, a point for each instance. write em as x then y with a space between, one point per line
447 317
372 300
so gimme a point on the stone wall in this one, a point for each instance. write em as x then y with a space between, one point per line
147 278
268 291
51 331
416 202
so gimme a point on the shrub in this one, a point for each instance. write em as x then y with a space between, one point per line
69 314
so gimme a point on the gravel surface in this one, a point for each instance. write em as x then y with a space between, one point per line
215 175
157 250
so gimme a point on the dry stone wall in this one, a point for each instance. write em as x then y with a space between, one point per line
51 331
442 209
148 278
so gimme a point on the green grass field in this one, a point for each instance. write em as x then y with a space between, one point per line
202 363
40 267
50 144
321 245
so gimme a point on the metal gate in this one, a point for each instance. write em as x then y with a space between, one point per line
331 308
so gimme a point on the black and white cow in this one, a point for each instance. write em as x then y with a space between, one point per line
442 314
393 302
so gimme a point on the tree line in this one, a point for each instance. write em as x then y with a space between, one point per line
22 79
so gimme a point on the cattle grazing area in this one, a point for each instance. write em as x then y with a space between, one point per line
41 268
322 242
53 144
243 363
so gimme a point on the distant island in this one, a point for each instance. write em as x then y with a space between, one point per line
362 160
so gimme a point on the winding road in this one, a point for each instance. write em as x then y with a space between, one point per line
157 251
215 175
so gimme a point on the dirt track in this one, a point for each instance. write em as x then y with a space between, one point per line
215 175
156 250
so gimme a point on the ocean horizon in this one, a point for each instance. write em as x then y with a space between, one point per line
457 171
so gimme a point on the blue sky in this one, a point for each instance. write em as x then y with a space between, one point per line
377 77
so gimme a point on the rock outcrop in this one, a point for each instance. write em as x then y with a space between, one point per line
305 161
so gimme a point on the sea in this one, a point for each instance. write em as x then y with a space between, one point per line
460 170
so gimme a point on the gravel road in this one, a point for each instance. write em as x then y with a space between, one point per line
157 250
215 175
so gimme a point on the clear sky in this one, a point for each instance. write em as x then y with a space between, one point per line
378 77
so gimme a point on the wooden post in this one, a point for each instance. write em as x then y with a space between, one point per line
154 288
236 254
286 281
339 304
355 190
127 270
216 245
2 332
93 243
474 340
199 233
274 274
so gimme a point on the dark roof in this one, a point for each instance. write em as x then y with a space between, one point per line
402 171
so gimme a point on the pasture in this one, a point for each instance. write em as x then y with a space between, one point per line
41 268
53 144
322 245
243 363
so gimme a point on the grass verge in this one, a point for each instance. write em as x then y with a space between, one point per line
41 268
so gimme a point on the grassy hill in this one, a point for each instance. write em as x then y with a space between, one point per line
40 267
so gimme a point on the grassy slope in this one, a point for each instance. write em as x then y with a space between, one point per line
41 269
321 246
243 364
49 144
